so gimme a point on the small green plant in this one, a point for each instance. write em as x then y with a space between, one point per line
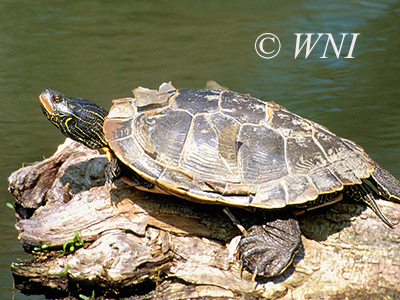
73 244
43 247
9 205
83 297
64 273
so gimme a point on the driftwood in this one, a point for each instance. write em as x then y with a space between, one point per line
129 243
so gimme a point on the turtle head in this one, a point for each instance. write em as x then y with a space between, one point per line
79 119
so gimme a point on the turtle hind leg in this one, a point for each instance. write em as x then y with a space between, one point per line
370 199
269 249
364 193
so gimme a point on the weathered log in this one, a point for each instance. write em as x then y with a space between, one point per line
157 246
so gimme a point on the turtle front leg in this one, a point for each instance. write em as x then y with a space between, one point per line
269 249
113 170
117 170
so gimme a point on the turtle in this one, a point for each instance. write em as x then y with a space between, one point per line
221 147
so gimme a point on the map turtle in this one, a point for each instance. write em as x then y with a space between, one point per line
216 146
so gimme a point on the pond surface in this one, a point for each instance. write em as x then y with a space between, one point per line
101 50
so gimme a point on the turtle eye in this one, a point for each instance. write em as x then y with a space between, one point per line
56 98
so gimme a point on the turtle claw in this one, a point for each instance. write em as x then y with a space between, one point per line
269 249
110 185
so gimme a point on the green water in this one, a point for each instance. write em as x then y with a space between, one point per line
101 50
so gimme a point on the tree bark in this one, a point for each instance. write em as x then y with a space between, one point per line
138 245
